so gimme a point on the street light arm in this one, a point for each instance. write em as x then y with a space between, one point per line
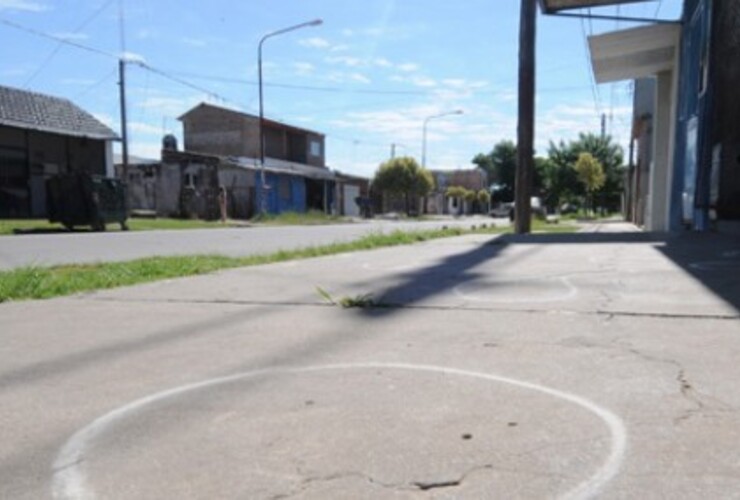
315 22
424 133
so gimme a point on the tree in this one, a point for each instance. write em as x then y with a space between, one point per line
562 179
500 164
484 199
590 174
403 176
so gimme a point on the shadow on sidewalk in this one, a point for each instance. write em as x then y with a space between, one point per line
712 259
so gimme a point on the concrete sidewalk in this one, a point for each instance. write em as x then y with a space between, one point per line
593 364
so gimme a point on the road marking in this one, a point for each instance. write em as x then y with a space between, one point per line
570 292
69 480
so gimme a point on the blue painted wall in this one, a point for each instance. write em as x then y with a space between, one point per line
276 202
690 190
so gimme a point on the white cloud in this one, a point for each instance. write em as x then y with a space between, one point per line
132 57
304 68
358 77
144 129
106 119
71 36
382 62
408 67
24 5
417 80
315 42
194 42
352 62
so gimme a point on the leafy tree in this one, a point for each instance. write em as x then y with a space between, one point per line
484 198
403 176
590 174
561 179
500 164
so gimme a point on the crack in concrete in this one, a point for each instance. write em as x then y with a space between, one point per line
427 485
685 388
398 305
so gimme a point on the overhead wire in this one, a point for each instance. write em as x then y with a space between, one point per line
59 46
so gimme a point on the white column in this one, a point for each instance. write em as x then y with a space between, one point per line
661 175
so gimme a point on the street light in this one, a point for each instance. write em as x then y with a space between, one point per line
424 133
315 22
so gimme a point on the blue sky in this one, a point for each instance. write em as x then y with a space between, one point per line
367 77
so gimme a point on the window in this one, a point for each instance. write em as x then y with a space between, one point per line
315 148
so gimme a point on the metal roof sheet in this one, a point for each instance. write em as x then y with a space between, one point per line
551 6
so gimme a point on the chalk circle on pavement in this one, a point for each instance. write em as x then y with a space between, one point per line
601 457
518 290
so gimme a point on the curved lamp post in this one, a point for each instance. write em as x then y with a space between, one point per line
424 133
315 22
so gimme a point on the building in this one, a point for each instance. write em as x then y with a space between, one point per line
472 179
41 136
690 177
295 174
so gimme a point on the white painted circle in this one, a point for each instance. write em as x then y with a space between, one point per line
69 480
569 291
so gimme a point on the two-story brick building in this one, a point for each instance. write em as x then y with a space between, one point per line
295 172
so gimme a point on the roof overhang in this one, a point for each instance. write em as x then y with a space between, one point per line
634 53
59 131
552 6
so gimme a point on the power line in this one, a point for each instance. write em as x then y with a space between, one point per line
59 46
61 40
657 9
592 78
110 55
93 86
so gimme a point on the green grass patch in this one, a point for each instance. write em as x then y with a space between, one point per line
12 226
46 282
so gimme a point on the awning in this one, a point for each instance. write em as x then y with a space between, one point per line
634 53
551 6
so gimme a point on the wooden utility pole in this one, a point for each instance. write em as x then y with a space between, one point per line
525 129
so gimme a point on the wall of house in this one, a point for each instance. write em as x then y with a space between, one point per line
724 182
141 185
216 131
28 158
240 191
222 132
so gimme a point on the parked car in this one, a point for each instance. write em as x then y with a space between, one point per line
507 209
502 210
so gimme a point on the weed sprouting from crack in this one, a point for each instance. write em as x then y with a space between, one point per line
363 301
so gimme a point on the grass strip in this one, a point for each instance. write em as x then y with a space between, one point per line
46 282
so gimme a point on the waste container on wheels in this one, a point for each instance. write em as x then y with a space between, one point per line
86 200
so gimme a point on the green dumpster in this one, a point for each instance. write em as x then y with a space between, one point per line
86 200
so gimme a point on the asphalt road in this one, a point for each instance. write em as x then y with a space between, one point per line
590 365
85 247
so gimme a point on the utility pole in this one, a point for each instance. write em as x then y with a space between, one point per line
525 128
124 124
393 150
603 126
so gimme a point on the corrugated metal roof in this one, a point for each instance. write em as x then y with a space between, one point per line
34 111
551 6
284 167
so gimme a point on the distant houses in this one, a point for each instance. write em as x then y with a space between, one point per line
221 151
41 136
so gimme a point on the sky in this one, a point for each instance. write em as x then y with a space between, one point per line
367 77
